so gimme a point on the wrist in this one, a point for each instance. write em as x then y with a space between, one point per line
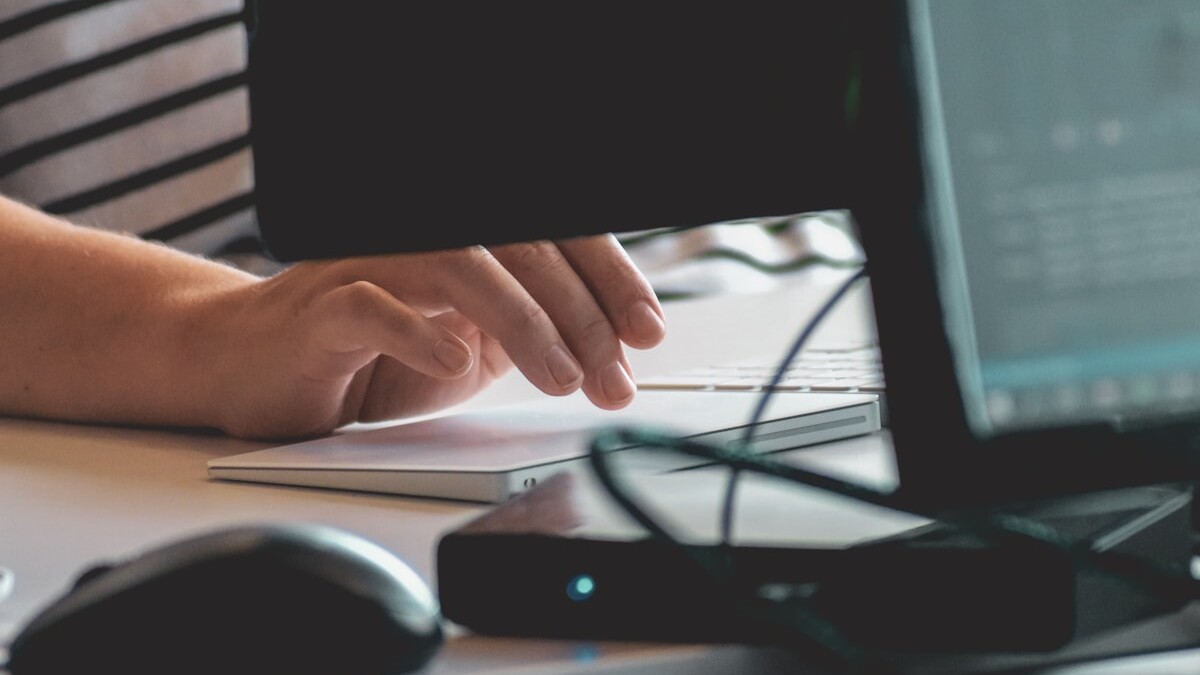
211 346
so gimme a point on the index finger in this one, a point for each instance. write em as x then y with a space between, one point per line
619 287
475 283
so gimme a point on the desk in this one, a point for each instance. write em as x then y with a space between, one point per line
72 495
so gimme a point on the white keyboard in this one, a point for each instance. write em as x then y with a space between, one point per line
853 368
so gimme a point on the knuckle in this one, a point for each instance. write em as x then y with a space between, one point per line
361 294
530 317
597 327
595 339
355 298
471 259
538 256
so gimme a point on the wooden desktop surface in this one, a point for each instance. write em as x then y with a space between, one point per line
75 495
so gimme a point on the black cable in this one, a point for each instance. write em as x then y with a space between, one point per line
1166 581
760 409
798 619
1150 576
802 620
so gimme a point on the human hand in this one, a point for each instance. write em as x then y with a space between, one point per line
327 343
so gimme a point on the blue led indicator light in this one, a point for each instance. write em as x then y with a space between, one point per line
581 587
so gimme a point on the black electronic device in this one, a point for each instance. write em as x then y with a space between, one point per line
393 127
563 554
250 599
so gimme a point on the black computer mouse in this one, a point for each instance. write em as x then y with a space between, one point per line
262 599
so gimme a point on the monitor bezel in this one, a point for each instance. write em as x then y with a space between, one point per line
941 461
481 124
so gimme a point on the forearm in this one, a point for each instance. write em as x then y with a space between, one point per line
99 327
96 326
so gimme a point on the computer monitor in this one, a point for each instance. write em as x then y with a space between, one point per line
1030 206
390 127
993 154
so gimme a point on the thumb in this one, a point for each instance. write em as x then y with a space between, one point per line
353 323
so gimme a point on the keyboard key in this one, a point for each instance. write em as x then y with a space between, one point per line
854 368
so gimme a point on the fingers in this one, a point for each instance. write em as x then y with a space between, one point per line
560 311
618 286
353 323
550 280
476 284
394 392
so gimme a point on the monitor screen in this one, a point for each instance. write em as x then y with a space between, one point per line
1028 195
387 127
1063 143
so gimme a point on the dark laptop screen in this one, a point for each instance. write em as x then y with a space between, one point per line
1063 156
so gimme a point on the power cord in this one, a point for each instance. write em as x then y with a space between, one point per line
797 618
761 408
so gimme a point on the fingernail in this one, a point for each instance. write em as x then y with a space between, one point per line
452 354
563 367
616 383
645 322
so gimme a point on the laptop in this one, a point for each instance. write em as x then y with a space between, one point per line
492 454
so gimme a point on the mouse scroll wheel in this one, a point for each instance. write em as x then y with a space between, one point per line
91 573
